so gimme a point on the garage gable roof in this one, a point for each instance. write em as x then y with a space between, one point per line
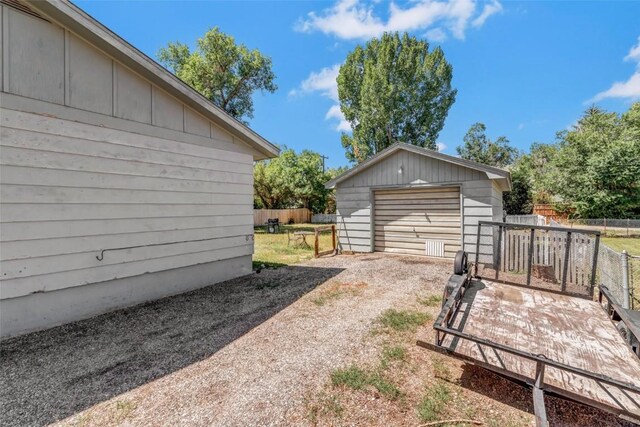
83 25
492 172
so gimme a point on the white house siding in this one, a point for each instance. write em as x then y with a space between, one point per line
94 157
353 196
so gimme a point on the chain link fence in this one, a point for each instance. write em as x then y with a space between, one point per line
634 281
618 271
607 226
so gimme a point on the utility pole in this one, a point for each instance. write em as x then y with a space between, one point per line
323 159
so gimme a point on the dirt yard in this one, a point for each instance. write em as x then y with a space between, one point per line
327 342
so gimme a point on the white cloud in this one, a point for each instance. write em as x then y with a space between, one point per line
626 90
436 35
324 82
489 9
356 19
441 146
629 89
521 126
634 53
335 113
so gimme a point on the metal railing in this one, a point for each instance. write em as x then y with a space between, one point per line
557 259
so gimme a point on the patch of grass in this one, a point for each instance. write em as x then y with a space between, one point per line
403 320
434 402
324 406
328 296
336 290
631 244
351 377
384 387
431 301
440 369
356 378
274 250
390 354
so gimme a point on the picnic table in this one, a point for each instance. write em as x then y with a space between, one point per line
299 238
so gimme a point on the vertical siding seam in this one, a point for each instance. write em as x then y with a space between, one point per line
150 101
67 69
184 119
5 50
114 88
2 47
153 106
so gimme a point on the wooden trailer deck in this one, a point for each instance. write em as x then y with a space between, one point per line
563 345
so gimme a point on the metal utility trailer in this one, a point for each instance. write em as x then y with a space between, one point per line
526 309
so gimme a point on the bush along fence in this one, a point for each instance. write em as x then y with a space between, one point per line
285 216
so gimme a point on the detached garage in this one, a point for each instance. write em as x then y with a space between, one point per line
411 200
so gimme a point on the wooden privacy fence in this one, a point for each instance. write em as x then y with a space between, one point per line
298 215
559 259
548 211
554 256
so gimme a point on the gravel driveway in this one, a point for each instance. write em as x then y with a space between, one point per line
253 351
243 352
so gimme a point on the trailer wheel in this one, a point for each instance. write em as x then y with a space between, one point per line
460 263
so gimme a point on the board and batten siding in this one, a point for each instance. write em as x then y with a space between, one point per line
41 60
479 196
94 158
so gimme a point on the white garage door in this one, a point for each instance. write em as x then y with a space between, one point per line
418 221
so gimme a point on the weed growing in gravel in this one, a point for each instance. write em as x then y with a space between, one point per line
390 354
325 405
403 320
434 402
440 369
431 301
356 378
338 290
123 409
351 377
384 387
82 420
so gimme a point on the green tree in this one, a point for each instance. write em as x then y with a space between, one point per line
394 88
224 72
519 201
529 177
596 168
292 180
479 148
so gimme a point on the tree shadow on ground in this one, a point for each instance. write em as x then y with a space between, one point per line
47 376
560 412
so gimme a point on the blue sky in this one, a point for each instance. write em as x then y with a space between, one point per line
525 69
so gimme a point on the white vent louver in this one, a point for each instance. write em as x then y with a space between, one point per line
434 248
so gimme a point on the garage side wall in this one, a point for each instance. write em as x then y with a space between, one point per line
112 193
354 196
